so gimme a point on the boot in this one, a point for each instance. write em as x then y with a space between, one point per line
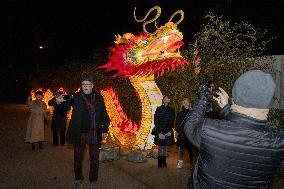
40 145
164 161
33 146
160 163
77 184
93 185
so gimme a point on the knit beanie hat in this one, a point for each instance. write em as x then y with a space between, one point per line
88 78
254 89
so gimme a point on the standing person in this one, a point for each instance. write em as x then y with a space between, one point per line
59 118
164 136
89 121
241 151
35 127
182 140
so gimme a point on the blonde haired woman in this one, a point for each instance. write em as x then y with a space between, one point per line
182 140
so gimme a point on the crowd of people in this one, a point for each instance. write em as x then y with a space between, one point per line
88 125
237 150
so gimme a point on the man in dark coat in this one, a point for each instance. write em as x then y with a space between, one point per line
164 121
89 121
59 118
240 152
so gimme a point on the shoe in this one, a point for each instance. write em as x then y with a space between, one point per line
180 164
164 161
40 145
93 185
160 163
33 147
77 184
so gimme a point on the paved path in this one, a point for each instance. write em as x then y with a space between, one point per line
52 167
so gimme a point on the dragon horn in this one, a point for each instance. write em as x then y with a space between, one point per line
157 8
181 18
156 24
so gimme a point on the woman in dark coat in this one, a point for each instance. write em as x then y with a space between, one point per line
59 117
182 140
163 130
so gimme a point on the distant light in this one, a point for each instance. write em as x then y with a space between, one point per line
40 47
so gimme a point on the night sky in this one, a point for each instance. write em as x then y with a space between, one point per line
69 29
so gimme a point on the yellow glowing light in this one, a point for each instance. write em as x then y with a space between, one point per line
116 118
48 95
147 117
150 97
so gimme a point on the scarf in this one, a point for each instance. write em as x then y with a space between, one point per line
260 114
92 135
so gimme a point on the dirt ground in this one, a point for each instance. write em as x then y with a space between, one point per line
52 167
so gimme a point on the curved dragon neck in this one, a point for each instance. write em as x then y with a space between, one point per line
151 97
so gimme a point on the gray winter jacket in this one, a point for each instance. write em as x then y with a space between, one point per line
239 152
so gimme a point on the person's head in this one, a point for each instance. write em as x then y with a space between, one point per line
59 96
186 103
166 100
254 89
87 84
39 95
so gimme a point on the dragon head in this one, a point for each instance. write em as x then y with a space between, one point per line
147 53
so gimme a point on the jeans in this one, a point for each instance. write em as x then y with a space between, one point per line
190 153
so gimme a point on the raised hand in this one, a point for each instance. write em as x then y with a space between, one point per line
222 99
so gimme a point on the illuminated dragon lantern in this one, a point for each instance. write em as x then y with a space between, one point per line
142 58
